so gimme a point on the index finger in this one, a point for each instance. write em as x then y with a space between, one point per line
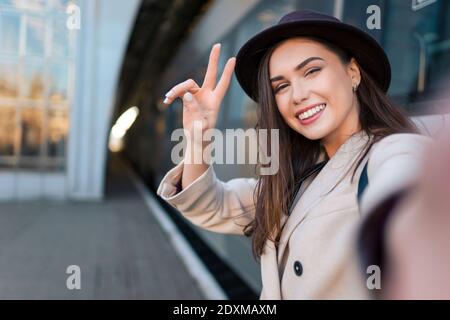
180 89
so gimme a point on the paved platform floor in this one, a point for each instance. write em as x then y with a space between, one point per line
118 245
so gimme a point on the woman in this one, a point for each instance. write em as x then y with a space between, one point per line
322 84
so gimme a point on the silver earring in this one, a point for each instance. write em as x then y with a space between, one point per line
355 87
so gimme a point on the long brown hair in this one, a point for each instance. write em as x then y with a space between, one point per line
274 194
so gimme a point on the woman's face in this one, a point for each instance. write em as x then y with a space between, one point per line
313 89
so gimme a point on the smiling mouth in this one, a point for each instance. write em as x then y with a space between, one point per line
311 112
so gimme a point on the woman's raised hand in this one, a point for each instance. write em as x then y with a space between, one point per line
202 104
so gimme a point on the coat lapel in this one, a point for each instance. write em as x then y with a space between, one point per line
323 183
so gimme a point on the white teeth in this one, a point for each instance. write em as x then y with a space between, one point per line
311 112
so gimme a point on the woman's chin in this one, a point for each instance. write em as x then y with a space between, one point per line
313 133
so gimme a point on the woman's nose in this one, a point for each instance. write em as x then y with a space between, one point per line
299 93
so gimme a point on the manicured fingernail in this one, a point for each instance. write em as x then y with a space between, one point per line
188 97
217 45
169 94
166 101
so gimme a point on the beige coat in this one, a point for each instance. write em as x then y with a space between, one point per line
316 258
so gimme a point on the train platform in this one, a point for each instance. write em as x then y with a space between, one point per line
122 249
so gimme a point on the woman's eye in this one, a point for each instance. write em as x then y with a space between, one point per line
280 87
312 71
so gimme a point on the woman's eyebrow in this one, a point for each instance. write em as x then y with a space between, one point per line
298 67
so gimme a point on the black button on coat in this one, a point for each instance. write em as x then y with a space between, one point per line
298 268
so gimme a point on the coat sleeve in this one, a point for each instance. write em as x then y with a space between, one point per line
223 207
394 165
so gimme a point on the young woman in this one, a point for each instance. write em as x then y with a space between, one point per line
322 84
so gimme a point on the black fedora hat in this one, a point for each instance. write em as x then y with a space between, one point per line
365 49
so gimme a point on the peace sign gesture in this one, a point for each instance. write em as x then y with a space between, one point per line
203 103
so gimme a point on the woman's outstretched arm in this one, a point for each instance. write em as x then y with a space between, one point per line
201 106
192 186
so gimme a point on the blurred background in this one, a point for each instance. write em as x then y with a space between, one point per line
82 124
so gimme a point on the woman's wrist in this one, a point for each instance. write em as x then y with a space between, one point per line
195 152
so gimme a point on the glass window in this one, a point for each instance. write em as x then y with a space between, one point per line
9 32
29 5
32 130
60 39
7 130
59 5
35 36
9 86
58 82
36 83
58 129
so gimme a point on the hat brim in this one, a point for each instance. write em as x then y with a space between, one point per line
365 49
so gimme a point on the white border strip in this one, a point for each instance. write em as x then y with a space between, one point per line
208 285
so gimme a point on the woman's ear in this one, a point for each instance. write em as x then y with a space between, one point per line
354 72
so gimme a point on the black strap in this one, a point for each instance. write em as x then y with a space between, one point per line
363 182
314 169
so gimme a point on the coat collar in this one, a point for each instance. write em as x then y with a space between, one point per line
328 178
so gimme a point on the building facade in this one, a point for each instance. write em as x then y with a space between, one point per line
59 63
